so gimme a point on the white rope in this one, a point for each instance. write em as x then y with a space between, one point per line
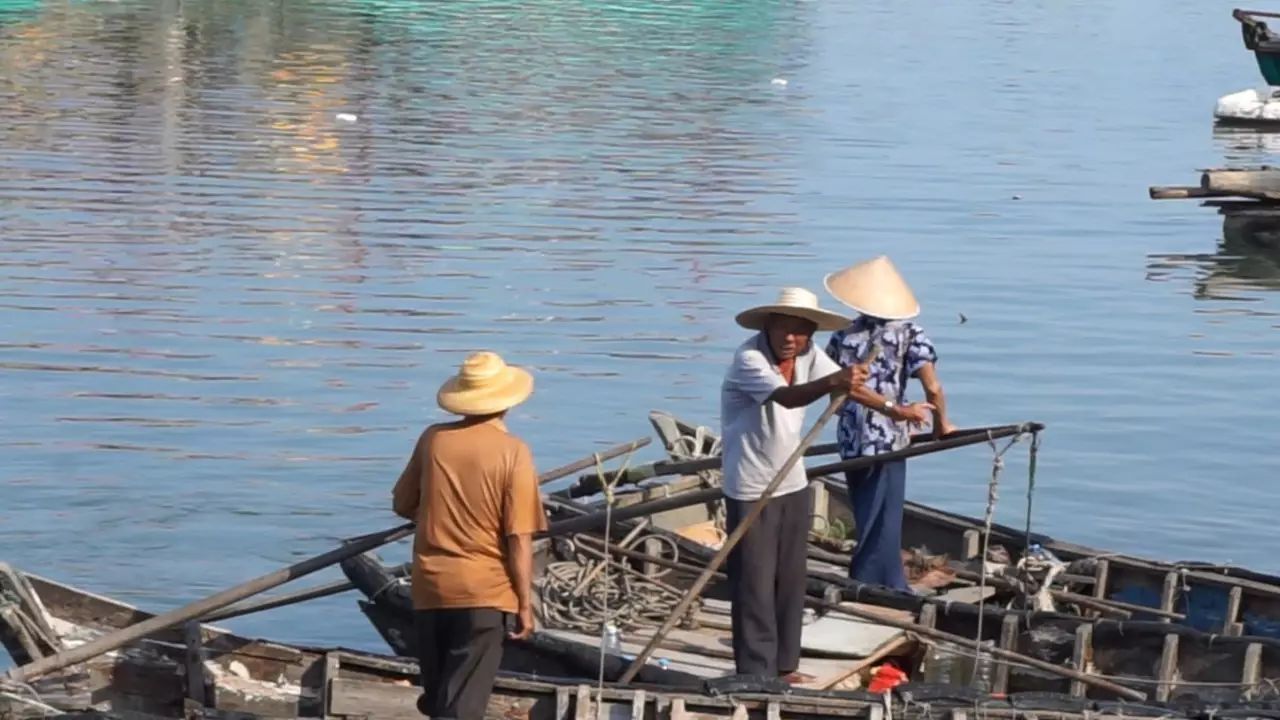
607 560
997 465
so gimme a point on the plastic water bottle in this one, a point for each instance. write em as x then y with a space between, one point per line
610 639
982 678
939 665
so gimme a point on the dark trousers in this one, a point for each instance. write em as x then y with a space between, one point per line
767 584
877 495
459 651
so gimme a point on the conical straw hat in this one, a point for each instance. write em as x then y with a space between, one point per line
484 385
794 302
874 288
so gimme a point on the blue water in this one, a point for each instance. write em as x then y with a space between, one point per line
228 304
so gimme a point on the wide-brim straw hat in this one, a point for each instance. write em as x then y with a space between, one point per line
874 288
485 385
794 302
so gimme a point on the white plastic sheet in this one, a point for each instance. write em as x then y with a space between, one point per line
1250 105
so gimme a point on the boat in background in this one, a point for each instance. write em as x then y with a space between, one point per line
1255 106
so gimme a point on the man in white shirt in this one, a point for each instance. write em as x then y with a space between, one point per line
773 377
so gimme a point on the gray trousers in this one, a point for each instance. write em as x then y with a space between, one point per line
459 651
767 582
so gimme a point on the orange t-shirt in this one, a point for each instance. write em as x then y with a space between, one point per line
468 486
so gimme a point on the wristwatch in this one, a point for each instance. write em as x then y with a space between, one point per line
888 406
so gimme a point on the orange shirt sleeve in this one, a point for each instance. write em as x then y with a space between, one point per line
408 490
523 514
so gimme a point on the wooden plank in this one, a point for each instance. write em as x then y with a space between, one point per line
13 630
197 683
637 705
773 711
1101 574
970 544
1234 596
1170 593
928 615
1251 672
882 652
1008 641
564 702
332 664
1167 674
582 706
678 711
377 662
652 546
363 698
1263 183
1178 192
1081 655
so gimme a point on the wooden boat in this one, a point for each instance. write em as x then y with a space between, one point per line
1202 633
201 671
1261 41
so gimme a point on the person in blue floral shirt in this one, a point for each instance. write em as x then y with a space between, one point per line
881 419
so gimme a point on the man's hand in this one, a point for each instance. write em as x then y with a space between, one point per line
913 413
524 624
850 378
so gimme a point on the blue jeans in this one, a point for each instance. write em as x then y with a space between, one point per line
877 495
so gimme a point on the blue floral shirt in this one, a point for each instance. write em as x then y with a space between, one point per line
904 349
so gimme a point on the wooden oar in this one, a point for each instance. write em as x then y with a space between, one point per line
111 641
718 559
342 586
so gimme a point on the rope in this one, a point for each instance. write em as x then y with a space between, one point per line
997 465
1031 480
608 529
571 599
17 690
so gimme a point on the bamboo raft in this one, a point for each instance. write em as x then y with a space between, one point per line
1193 640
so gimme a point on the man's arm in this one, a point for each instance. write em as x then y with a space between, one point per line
520 568
928 376
404 498
794 396
523 516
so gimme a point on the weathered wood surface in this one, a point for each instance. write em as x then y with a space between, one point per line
1262 183
1178 192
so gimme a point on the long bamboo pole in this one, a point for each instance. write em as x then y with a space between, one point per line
590 460
589 485
114 640
959 439
734 537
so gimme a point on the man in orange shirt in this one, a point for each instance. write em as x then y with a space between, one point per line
471 487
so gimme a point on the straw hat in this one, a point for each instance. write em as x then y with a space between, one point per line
484 385
874 288
795 302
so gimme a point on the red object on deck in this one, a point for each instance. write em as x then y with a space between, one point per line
886 678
